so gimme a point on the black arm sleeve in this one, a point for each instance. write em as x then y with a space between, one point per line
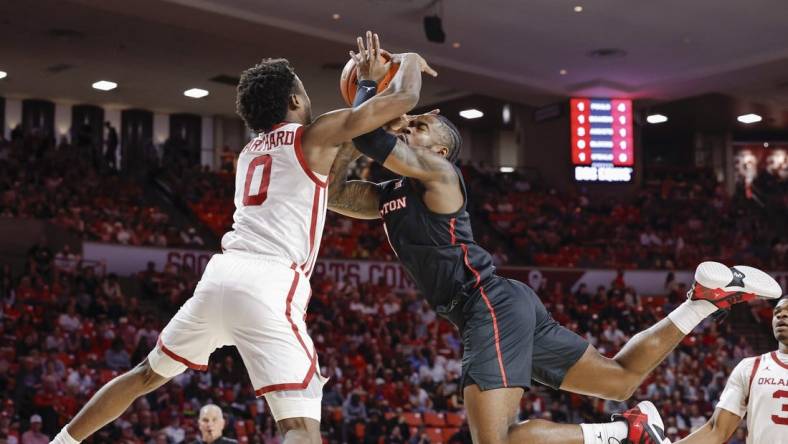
376 144
366 90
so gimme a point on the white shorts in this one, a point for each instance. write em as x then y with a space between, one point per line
257 304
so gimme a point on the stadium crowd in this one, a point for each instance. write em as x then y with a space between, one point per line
393 366
674 222
64 184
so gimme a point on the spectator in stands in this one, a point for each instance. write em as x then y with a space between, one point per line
174 431
117 358
211 423
34 435
353 412
191 238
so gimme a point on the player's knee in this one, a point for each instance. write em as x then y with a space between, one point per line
146 379
623 388
299 431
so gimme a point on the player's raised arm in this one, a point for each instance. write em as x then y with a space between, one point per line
355 198
434 140
336 127
716 431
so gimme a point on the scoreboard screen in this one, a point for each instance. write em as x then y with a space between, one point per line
602 139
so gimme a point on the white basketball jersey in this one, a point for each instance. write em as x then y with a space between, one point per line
758 387
280 204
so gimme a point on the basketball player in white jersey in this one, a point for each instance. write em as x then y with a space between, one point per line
254 295
758 388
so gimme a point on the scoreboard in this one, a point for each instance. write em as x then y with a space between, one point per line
602 139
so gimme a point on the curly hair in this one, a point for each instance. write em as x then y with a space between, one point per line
263 93
451 138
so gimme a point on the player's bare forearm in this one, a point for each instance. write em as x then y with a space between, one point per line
421 164
716 431
346 155
357 198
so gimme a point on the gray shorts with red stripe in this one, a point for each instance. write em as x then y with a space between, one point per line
510 339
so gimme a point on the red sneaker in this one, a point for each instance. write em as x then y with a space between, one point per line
644 424
724 286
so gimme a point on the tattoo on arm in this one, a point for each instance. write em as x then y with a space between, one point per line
420 163
355 198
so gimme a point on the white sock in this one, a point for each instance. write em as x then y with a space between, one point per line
64 438
688 315
601 433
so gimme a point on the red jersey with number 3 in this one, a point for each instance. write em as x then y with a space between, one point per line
280 204
758 388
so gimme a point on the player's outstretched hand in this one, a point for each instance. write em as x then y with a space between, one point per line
370 64
425 68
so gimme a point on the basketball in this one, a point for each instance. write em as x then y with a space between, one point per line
348 81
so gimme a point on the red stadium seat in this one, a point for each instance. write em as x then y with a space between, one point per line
240 428
412 419
435 435
434 419
107 375
449 432
454 419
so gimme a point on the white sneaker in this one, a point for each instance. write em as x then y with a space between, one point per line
724 286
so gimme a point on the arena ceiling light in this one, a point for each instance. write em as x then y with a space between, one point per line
507 169
506 114
3 74
472 113
749 118
105 85
195 93
656 118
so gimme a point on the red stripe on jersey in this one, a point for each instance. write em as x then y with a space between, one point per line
453 234
312 226
470 267
497 336
288 312
180 359
290 385
312 356
302 160
316 246
777 360
752 377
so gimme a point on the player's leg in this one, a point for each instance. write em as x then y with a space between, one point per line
507 335
716 286
492 418
110 402
266 320
186 341
300 430
617 378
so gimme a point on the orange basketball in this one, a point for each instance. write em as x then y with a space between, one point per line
348 81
